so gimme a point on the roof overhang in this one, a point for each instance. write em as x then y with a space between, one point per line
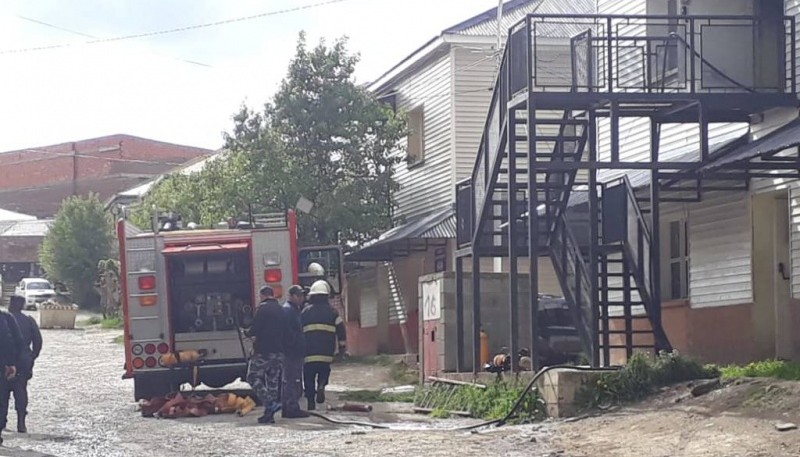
764 148
416 235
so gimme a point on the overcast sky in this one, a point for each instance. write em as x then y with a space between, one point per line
181 87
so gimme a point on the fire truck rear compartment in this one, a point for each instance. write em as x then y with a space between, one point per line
210 296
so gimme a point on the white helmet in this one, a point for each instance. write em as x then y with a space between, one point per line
316 269
319 288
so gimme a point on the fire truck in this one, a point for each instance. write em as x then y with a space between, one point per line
191 291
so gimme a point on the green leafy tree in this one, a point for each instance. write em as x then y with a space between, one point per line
81 236
323 137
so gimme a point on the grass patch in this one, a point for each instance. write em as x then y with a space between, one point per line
641 377
493 402
402 374
119 339
374 396
113 323
779 369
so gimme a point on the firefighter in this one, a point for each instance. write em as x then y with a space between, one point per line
31 347
10 352
295 351
322 327
266 362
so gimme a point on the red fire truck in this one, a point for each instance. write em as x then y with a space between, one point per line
191 291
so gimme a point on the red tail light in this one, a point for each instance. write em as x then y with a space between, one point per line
151 362
163 348
150 348
273 275
147 282
138 363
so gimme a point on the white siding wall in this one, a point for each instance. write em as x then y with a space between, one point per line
429 185
720 249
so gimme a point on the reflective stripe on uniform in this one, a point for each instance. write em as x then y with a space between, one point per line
319 327
318 358
339 320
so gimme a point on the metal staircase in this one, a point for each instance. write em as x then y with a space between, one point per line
539 187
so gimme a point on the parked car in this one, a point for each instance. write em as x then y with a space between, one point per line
36 291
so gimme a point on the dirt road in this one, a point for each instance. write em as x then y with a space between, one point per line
81 407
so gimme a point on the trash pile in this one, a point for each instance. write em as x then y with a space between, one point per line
179 405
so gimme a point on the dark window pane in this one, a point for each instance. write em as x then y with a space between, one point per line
675 280
674 240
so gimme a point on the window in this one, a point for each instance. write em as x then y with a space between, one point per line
675 260
416 137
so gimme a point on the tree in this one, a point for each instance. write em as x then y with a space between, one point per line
322 137
81 236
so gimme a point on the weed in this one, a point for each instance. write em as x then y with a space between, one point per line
120 339
493 402
111 323
789 371
94 320
374 396
639 378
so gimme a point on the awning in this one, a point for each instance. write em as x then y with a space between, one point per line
205 248
783 138
412 235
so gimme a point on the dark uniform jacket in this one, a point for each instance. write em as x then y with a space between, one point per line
31 344
10 341
269 328
322 326
295 342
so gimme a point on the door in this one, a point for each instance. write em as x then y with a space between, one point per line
782 281
431 316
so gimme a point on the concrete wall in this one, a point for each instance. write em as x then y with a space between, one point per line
495 317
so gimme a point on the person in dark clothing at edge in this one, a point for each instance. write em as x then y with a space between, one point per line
30 349
266 361
295 351
10 354
322 326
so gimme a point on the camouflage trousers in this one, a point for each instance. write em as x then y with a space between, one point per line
264 374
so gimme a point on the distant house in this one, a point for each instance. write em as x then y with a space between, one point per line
20 237
36 180
445 87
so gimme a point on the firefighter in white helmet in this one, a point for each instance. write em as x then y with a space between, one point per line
322 327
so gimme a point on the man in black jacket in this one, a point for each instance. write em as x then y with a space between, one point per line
30 349
10 352
266 362
295 351
322 327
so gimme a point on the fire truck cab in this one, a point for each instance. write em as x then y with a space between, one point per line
192 291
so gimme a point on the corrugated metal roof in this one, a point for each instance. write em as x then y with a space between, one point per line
783 138
437 224
485 24
6 215
37 228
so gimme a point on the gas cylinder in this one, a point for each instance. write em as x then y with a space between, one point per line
484 348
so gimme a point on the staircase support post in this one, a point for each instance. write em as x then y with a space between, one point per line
513 277
594 236
459 314
655 238
533 227
476 311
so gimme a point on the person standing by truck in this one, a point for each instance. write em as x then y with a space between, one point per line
10 352
322 327
30 349
265 368
295 351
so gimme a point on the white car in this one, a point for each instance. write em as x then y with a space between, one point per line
35 291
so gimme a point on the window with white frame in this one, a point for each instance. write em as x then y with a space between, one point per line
416 136
675 259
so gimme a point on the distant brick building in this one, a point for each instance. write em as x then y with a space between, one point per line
36 180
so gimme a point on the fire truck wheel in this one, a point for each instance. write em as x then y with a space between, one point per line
217 381
149 386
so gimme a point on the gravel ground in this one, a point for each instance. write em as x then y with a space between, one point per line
80 406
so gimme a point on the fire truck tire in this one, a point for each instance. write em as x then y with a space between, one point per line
217 381
149 386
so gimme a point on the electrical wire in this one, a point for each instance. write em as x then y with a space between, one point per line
177 29
86 35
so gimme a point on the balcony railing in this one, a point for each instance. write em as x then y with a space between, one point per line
634 55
